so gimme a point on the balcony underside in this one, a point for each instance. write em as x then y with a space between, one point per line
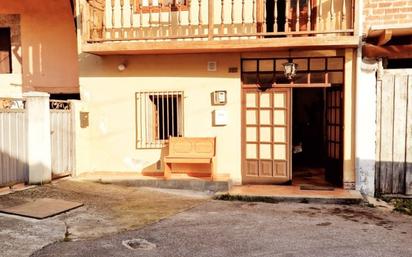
221 46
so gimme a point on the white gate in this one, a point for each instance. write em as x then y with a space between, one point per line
62 138
394 133
13 142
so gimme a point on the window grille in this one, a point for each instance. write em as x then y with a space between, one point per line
159 115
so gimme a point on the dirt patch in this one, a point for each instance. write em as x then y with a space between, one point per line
365 216
107 208
403 206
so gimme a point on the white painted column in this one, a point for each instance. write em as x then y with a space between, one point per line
366 127
38 137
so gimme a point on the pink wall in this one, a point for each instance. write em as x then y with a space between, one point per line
48 42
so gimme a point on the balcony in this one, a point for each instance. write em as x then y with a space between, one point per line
185 26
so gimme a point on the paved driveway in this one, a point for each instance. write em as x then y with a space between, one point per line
108 209
259 229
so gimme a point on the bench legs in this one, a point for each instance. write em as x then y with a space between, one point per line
168 170
213 168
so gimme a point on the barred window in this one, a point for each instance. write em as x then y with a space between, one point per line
159 115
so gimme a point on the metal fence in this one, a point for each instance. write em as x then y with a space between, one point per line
13 142
159 115
62 138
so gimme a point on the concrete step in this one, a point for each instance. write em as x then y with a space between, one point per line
195 184
276 194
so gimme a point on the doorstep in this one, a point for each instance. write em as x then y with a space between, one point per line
293 193
176 181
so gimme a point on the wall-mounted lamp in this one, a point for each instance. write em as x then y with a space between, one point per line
290 68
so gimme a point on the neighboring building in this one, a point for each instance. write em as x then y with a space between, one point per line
149 70
384 127
38 52
37 48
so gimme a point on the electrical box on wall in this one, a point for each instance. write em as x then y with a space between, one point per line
219 97
220 118
84 119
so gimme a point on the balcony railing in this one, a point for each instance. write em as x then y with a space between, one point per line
190 20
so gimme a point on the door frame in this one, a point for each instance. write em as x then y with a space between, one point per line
306 84
336 180
268 180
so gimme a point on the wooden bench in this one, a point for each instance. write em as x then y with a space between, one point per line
190 153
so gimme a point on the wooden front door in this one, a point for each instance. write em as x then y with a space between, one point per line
266 136
334 135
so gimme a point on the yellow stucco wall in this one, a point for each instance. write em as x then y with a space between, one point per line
109 95
48 56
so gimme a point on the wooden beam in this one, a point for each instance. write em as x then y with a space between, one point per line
54 90
239 45
349 174
392 51
211 22
399 133
259 15
398 30
385 37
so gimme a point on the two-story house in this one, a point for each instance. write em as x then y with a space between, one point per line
272 80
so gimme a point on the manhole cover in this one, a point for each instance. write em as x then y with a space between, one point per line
138 244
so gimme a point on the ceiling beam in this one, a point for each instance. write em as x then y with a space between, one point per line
391 51
384 37
235 45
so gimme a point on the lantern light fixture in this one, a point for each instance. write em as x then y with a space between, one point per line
290 68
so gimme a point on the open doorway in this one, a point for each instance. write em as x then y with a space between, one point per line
316 137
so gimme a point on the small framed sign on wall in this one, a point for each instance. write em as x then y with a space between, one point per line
219 97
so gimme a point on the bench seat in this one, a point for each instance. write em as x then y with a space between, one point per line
190 155
170 159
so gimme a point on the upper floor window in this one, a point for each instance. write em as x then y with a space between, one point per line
160 5
5 51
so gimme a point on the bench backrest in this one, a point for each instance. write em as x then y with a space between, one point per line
192 147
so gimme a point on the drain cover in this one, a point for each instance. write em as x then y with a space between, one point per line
138 244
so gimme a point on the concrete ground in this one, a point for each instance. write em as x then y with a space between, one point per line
108 209
293 193
218 228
